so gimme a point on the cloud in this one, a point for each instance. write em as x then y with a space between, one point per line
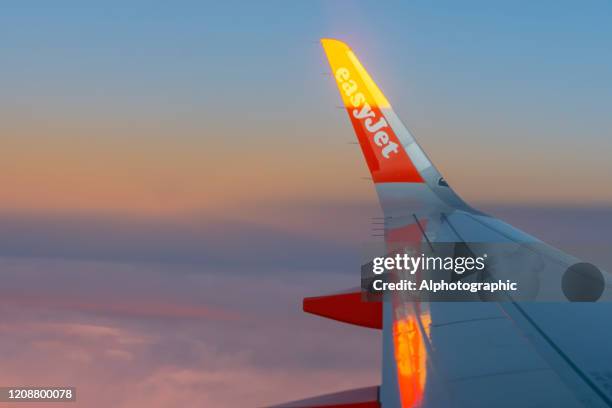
195 240
271 352
147 330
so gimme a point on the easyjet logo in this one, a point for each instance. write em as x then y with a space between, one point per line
362 111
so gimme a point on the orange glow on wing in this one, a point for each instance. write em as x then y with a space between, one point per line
411 359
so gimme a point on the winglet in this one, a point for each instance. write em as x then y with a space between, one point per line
340 54
384 152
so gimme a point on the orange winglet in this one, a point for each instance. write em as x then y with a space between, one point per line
347 308
365 104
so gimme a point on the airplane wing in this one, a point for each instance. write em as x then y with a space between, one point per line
462 354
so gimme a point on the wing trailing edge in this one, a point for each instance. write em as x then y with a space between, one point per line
367 397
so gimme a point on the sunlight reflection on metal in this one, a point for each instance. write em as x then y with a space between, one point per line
411 358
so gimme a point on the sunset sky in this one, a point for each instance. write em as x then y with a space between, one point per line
175 109
176 176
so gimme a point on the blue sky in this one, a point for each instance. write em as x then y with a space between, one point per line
522 88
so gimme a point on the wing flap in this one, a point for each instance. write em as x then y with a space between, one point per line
346 307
